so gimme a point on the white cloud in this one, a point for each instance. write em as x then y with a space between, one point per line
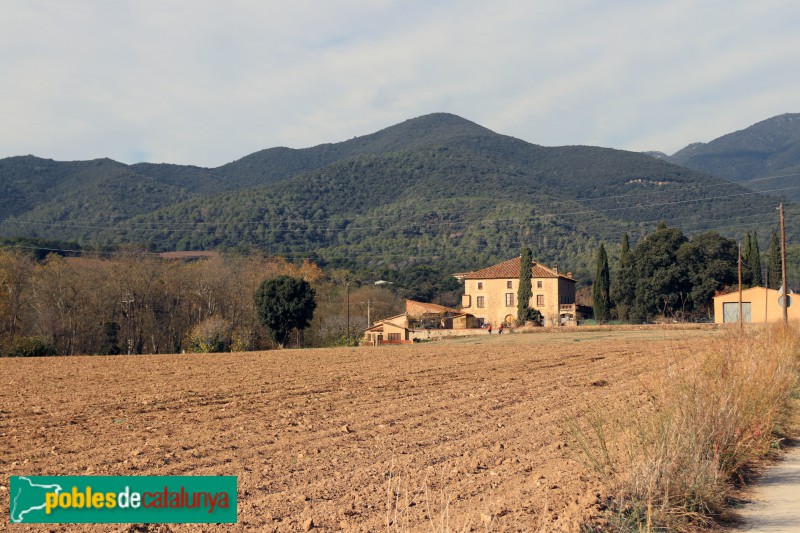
207 82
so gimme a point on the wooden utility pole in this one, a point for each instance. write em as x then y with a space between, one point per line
783 268
347 290
741 319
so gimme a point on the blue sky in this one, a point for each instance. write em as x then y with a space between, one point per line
206 83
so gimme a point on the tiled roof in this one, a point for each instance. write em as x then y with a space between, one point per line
413 306
510 269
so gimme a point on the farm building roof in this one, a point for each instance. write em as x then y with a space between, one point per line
510 269
418 308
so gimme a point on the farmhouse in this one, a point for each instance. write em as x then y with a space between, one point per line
418 321
392 330
759 305
491 294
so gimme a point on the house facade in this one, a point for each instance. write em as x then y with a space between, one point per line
759 305
417 322
490 294
392 330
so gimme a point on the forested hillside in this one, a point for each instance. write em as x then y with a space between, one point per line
437 190
764 150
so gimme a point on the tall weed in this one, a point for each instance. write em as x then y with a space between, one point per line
710 418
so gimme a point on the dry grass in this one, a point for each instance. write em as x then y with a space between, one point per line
405 498
708 421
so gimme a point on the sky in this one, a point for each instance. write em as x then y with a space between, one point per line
208 82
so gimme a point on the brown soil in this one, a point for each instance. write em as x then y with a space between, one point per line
471 433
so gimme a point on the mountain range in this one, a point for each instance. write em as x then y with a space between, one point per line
434 190
756 156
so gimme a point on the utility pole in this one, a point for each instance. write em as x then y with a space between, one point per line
741 320
347 290
783 268
369 322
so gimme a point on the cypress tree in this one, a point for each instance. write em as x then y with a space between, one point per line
601 300
525 290
754 260
747 272
774 273
624 285
625 251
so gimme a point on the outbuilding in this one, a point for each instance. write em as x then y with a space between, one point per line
759 305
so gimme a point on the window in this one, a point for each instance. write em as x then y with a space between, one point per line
510 299
509 284
540 300
480 285
539 284
394 337
479 301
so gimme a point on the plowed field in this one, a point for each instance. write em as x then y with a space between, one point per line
467 433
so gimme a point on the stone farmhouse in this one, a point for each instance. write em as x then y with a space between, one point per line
490 294
418 322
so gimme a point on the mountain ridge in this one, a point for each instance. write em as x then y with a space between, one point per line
438 187
766 149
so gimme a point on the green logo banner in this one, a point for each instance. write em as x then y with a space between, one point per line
122 499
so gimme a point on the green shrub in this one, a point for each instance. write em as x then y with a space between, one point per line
32 347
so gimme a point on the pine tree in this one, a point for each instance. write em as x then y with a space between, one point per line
525 290
774 273
754 261
601 299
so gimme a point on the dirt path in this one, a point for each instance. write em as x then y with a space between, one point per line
473 431
776 498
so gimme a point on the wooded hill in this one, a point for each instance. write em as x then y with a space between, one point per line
437 190
764 150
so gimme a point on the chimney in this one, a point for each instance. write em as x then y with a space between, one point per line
555 269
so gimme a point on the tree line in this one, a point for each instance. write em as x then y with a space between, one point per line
143 304
669 275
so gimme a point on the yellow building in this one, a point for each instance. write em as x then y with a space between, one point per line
419 316
392 330
491 294
759 305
